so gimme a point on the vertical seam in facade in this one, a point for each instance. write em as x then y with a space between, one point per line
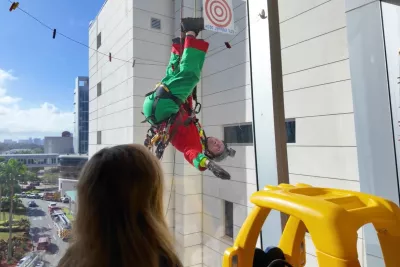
390 100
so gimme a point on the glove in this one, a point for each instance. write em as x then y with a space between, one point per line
218 171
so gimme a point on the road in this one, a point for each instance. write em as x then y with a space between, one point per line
42 225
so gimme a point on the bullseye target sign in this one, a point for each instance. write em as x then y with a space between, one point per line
218 16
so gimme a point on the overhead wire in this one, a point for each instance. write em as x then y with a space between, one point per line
229 42
81 43
221 47
234 37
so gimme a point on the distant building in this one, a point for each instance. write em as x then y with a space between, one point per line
65 185
8 141
71 165
38 141
26 141
58 145
81 117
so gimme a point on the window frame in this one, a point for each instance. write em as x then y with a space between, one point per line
99 89
245 124
228 219
98 40
287 121
99 137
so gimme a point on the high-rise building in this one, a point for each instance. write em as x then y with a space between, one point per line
58 145
336 65
81 117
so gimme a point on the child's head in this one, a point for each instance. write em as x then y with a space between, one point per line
125 179
120 219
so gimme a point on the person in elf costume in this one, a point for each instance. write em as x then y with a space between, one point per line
172 98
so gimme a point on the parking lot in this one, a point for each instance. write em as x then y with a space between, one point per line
43 226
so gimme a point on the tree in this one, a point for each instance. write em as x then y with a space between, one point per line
31 176
2 182
12 170
51 178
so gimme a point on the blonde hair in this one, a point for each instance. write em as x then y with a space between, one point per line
120 220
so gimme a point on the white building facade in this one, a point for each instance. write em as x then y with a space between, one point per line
322 97
65 185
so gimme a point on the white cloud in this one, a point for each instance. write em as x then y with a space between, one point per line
4 77
19 123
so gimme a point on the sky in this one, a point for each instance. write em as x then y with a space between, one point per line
37 72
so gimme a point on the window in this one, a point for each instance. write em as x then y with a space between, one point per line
99 89
98 40
239 134
228 219
99 137
155 24
290 130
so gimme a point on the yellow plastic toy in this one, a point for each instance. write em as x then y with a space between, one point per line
331 216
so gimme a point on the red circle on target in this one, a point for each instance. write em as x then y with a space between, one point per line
220 20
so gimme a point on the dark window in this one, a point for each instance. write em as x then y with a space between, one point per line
155 24
99 137
99 89
228 219
291 130
72 162
239 134
98 40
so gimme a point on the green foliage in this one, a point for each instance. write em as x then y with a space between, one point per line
7 147
51 178
31 176
6 189
39 150
11 172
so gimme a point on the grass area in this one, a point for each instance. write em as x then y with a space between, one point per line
16 217
68 214
4 235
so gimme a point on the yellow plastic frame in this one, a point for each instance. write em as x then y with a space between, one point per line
331 216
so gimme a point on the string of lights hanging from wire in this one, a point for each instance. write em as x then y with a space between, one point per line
16 5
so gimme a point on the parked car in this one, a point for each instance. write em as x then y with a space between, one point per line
65 200
32 204
52 204
43 243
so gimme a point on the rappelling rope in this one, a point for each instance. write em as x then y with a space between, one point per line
173 169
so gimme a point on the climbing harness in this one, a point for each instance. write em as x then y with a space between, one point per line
160 134
161 92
